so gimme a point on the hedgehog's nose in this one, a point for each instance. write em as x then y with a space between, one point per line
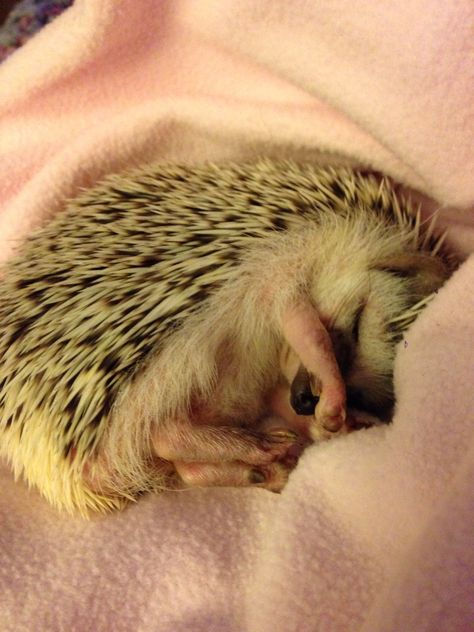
304 403
302 399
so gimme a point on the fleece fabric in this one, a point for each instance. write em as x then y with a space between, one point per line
374 532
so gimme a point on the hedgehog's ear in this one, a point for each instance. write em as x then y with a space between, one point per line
426 273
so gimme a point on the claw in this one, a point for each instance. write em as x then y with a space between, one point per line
283 433
256 476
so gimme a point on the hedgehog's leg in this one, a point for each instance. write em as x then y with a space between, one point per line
310 340
225 455
234 474
187 442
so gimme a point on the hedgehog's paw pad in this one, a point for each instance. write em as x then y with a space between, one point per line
272 476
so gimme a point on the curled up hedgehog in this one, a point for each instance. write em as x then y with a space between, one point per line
148 330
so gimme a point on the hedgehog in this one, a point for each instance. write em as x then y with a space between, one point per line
150 330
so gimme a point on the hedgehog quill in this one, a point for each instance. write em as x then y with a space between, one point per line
149 329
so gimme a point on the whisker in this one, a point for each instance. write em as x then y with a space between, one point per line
431 222
398 212
404 320
439 243
416 227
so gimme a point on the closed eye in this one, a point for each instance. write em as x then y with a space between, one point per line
400 273
356 324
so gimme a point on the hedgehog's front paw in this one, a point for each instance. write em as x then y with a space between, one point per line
228 456
310 352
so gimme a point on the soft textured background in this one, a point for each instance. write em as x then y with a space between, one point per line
374 531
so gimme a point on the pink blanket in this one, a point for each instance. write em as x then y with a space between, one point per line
374 531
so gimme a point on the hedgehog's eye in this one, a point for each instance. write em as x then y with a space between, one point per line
356 324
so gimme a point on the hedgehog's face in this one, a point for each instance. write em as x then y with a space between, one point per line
365 308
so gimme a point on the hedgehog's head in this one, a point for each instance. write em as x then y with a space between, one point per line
375 281
366 330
